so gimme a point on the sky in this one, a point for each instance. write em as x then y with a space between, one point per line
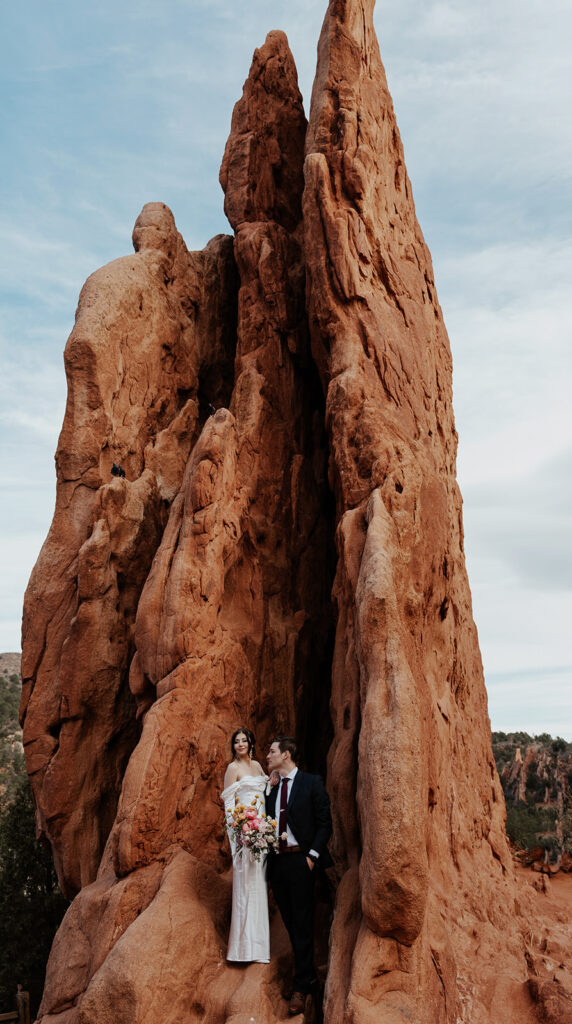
109 106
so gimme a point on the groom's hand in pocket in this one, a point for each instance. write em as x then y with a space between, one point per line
310 863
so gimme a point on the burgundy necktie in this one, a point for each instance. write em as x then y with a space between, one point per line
283 843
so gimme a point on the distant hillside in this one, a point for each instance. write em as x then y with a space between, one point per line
11 749
536 776
10 664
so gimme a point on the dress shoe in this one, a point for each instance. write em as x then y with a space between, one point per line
297 1003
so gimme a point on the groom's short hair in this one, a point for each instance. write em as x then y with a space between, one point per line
287 743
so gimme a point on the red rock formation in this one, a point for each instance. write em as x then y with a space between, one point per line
223 620
148 328
407 684
204 579
234 619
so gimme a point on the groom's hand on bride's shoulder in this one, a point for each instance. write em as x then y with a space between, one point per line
274 778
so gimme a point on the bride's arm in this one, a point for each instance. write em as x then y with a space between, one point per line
230 775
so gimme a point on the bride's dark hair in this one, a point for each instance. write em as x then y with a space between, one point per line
250 740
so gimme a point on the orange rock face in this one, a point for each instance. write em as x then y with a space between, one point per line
281 406
148 330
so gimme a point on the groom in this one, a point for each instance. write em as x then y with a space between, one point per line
301 806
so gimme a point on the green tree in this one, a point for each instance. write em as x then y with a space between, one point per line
9 704
31 904
522 824
567 831
522 739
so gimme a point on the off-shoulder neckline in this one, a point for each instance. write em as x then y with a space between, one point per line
262 778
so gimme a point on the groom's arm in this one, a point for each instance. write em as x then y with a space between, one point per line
270 802
322 816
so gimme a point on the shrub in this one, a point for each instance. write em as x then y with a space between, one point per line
523 822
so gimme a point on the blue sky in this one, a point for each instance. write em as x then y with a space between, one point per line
108 107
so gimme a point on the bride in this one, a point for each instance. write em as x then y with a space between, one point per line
244 783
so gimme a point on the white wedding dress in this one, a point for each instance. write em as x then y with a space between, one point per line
249 938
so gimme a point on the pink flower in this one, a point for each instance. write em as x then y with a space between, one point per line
250 813
255 822
246 828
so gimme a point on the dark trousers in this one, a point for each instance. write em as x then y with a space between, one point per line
292 883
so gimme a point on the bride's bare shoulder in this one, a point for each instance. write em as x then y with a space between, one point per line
258 767
230 775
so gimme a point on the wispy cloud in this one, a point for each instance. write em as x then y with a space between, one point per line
507 310
111 106
18 553
516 701
482 99
527 524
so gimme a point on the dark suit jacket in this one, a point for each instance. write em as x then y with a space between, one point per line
308 814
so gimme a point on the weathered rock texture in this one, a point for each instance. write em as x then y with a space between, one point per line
149 328
282 407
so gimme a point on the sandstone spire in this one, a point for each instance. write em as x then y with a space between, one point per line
407 685
281 405
147 327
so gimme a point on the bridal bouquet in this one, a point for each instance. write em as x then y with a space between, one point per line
252 830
